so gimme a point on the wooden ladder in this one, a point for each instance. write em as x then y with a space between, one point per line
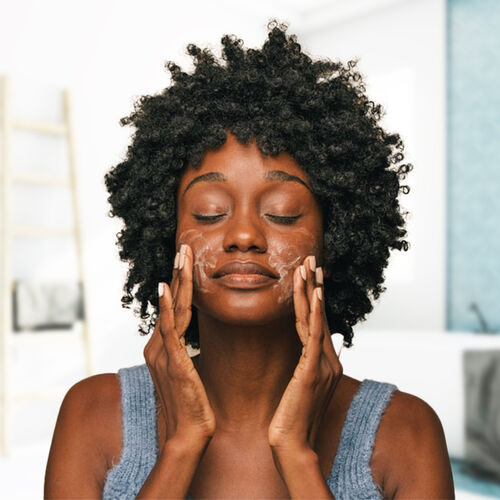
8 338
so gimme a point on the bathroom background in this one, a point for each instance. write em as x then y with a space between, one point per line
71 69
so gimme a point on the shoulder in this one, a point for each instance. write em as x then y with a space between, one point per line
85 432
411 450
96 400
96 390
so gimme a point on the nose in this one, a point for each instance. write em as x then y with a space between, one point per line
244 233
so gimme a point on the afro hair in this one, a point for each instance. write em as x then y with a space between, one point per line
316 111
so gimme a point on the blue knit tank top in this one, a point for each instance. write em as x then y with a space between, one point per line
350 477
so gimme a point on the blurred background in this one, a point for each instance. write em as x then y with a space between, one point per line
71 69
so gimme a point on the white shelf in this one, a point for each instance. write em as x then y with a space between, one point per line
41 127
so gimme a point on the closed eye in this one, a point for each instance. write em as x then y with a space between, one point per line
287 220
207 219
278 219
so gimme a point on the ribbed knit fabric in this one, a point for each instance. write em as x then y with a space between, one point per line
140 442
350 477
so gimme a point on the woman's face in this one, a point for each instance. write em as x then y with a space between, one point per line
250 214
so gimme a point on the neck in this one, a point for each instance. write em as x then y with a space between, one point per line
245 369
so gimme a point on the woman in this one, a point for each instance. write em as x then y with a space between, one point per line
263 190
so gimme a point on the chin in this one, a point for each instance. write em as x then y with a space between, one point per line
240 308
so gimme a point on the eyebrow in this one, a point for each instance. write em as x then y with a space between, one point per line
279 175
272 175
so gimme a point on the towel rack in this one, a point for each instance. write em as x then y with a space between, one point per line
8 177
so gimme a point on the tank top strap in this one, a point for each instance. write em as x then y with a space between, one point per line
140 442
351 475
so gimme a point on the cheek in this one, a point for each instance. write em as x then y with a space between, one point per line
204 251
283 256
286 256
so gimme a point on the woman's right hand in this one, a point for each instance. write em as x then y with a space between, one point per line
184 402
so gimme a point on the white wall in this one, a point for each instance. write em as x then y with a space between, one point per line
107 52
401 47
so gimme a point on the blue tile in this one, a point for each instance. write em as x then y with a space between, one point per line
467 482
473 73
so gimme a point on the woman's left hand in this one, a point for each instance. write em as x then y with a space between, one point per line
295 423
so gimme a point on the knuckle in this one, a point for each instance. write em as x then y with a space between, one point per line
156 362
181 309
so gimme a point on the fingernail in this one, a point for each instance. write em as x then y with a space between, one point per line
303 273
160 289
183 249
319 293
312 263
319 275
181 261
176 260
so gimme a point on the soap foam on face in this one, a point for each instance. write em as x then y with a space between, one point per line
203 257
282 259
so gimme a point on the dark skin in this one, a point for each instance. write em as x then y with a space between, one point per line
279 373
259 413
248 337
267 372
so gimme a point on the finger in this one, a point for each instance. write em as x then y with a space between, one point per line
327 341
315 279
318 279
167 319
332 351
175 275
328 347
182 306
310 268
314 344
301 305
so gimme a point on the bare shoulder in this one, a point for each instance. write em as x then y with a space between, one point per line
97 391
98 400
411 450
87 427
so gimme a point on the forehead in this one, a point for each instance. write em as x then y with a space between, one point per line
240 161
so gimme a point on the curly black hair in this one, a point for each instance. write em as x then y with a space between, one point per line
316 111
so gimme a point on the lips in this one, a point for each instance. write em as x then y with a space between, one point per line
243 267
